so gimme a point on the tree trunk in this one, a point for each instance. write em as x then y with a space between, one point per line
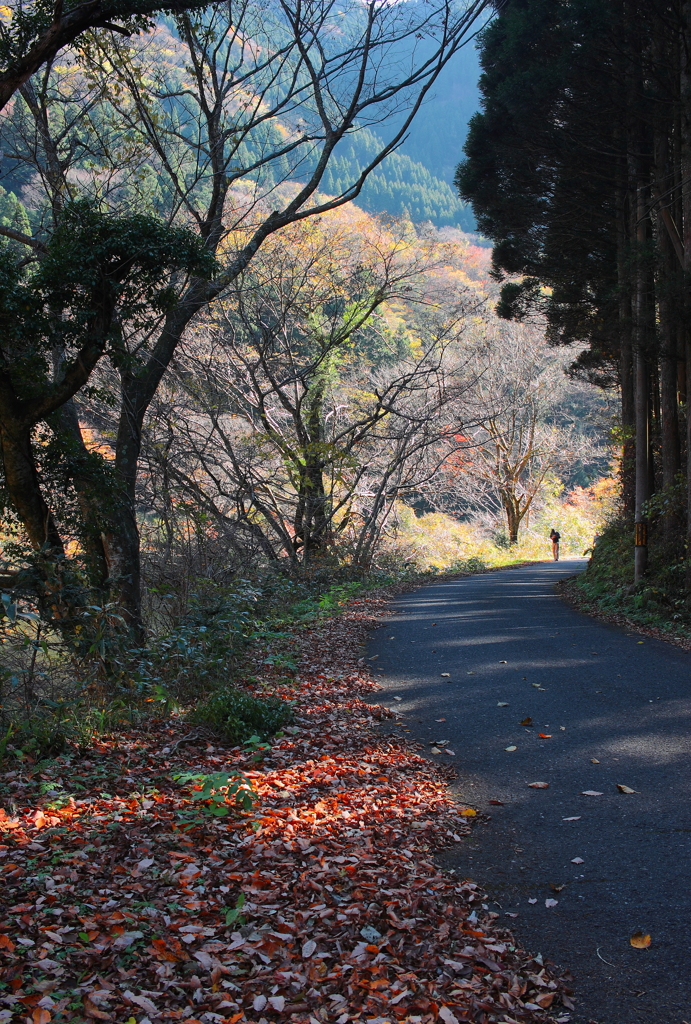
91 504
513 518
685 91
24 487
121 542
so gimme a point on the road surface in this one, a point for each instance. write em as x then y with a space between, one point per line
616 707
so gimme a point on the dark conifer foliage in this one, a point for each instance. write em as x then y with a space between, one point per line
577 168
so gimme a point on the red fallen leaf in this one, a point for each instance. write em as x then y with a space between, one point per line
497 803
6 943
545 735
168 950
31 1000
41 1016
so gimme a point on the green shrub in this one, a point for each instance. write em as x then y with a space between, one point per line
237 715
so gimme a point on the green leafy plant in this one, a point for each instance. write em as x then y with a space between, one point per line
238 716
233 915
217 789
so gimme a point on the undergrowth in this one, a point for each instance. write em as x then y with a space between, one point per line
237 715
607 586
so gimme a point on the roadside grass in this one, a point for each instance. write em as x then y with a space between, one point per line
659 603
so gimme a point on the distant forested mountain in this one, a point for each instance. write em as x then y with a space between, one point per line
416 181
401 186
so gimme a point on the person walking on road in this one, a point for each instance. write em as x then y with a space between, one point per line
555 538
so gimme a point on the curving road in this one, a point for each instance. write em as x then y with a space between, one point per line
617 709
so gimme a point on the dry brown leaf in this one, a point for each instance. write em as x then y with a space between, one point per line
526 721
538 785
91 1010
624 789
639 940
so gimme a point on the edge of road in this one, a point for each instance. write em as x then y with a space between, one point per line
589 608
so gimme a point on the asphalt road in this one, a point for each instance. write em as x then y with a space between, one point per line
601 694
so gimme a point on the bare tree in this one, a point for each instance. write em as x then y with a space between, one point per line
235 128
523 438
301 414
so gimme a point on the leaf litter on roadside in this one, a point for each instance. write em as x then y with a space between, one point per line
322 902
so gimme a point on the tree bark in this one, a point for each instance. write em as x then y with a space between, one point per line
685 91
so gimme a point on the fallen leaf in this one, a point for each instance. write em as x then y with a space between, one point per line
538 785
169 949
502 663
309 948
639 940
451 753
590 792
551 903
545 735
545 999
40 1016
6 943
398 698
435 750
532 901
439 719
511 748
468 812
445 675
142 1001
624 789
556 888
577 818
447 1016
277 1002
503 704
91 1010
526 721
577 860
259 1002
497 803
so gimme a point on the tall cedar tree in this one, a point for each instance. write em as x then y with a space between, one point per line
576 169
